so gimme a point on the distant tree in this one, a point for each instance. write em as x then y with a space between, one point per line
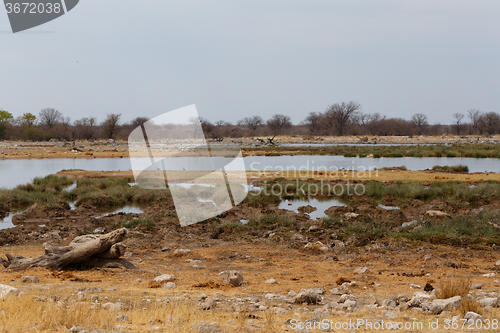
457 122
489 123
252 123
85 127
474 117
110 125
28 119
5 117
50 117
339 116
139 121
278 123
420 122
313 122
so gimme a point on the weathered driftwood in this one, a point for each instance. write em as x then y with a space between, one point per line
268 141
92 250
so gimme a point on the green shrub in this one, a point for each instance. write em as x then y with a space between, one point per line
451 169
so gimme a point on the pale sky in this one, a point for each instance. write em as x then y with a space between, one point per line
240 58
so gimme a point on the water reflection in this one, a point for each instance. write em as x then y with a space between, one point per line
320 205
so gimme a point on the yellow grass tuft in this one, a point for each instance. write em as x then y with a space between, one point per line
451 288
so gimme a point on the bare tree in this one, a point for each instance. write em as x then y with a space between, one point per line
278 123
50 117
457 125
313 122
110 125
339 116
139 121
474 117
252 123
489 123
420 122
85 127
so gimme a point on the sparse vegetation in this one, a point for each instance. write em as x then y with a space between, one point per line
451 169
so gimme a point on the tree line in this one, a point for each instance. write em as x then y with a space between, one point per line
338 119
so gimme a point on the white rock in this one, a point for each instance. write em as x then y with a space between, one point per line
309 296
497 263
118 306
422 295
169 285
472 315
361 270
436 213
489 275
165 278
30 279
271 281
182 251
340 290
415 286
6 290
350 305
489 301
234 278
439 305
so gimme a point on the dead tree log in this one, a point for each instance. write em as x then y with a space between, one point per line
93 250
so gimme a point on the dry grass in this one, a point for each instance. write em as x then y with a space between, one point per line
469 304
455 287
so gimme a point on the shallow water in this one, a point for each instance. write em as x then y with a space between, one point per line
321 206
15 172
388 207
129 209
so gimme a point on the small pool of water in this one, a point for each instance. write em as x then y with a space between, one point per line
320 205
7 221
388 207
130 209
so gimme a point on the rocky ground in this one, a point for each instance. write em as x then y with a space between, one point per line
282 281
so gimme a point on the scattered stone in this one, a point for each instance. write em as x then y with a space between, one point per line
489 275
415 286
165 278
6 290
181 252
30 279
428 287
340 290
351 215
361 270
497 263
436 213
271 281
439 305
489 301
122 318
234 278
207 304
309 296
476 286
169 285
316 246
114 307
474 316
